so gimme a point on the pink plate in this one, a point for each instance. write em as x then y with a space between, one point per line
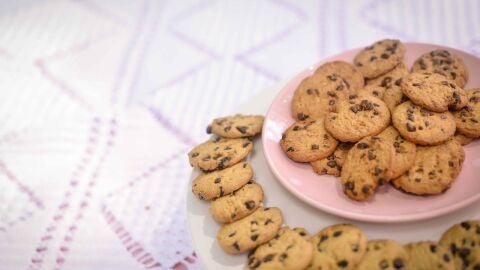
389 205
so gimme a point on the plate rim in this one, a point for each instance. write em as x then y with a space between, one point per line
342 213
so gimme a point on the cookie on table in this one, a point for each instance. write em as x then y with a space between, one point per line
366 167
209 186
385 254
290 249
462 139
236 126
434 92
339 246
251 231
332 164
219 153
351 76
238 204
426 255
468 118
463 240
445 63
379 58
421 126
317 95
405 151
307 140
434 170
357 117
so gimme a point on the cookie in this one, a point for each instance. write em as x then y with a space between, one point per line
445 63
218 153
426 255
385 255
332 164
238 204
317 95
339 246
251 231
388 82
463 240
434 170
307 140
212 185
366 167
379 58
357 117
351 76
290 249
422 126
434 92
236 126
468 118
404 154
462 139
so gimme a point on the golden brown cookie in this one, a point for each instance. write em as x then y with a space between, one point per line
351 76
463 240
405 151
445 63
307 140
434 92
434 170
426 255
421 126
387 83
332 164
357 117
379 58
385 254
462 139
468 118
236 126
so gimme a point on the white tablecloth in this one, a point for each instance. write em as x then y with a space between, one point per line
100 100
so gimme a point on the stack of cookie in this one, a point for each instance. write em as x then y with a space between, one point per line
374 122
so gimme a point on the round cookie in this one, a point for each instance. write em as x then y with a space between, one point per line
468 118
463 240
434 170
290 249
445 63
236 126
462 139
317 95
332 164
405 151
388 82
366 167
421 126
307 140
238 204
218 153
339 246
385 255
379 58
426 255
251 231
212 185
351 76
434 92
357 117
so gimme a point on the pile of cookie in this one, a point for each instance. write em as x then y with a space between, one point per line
373 122
248 226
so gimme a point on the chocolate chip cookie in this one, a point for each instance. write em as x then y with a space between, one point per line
251 231
332 164
385 254
463 240
468 118
289 249
388 83
462 139
434 92
338 247
434 170
357 117
366 167
236 126
307 140
404 154
379 58
421 126
426 255
219 153
238 204
445 63
351 76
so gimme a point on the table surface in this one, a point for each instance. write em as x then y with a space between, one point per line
101 99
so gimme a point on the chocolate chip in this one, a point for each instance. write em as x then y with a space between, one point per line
209 129
377 171
250 204
253 263
373 58
253 222
398 82
282 257
232 234
194 154
332 77
339 88
331 93
302 116
268 221
268 258
236 246
362 145
332 164
331 102
207 158
323 238
385 55
411 128
366 189
398 263
290 149
355 247
464 252
217 180
302 233
433 248
446 257
386 81
354 109
352 97
242 129
450 163
337 233
246 144
381 181
383 264
309 91
227 128
350 185
454 75
342 264
416 84
410 117
371 155
466 225
254 237
233 215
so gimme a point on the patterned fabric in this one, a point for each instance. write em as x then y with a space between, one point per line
102 99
